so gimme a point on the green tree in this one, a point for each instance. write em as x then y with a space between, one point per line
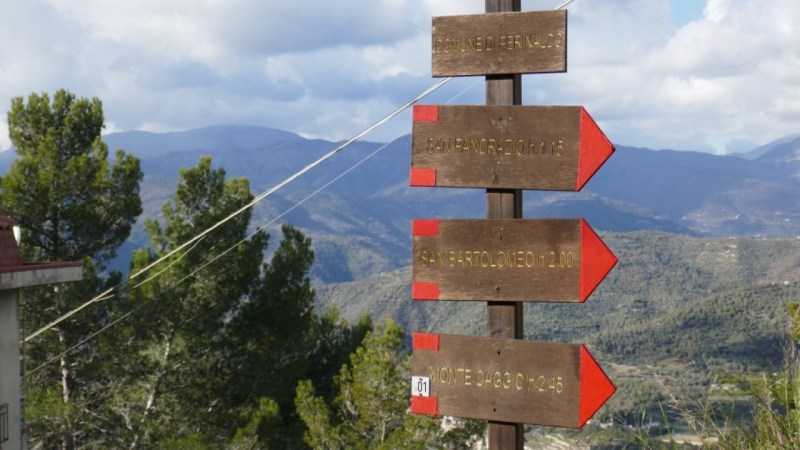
370 410
794 320
73 205
177 382
276 339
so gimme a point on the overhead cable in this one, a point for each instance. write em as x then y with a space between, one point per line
105 294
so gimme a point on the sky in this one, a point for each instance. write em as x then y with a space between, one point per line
717 76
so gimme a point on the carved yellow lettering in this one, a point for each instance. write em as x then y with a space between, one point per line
497 379
506 380
460 260
423 258
519 381
518 41
468 258
479 44
501 42
509 147
520 259
468 377
485 259
479 377
432 373
451 258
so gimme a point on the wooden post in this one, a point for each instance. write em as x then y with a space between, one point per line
505 319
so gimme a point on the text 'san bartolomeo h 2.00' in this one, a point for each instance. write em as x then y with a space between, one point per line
534 260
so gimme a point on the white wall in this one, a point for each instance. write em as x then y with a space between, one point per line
9 364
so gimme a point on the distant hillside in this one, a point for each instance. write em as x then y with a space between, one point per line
694 299
360 224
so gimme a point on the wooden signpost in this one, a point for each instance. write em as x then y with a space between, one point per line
553 260
506 380
505 260
500 43
506 147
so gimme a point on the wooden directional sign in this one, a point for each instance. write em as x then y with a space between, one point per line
506 147
500 43
551 260
506 380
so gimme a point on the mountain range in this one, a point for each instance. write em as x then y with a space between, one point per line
360 224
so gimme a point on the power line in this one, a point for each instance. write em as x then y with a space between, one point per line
105 294
229 249
313 194
109 292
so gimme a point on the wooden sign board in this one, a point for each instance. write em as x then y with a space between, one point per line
534 260
500 43
506 380
506 147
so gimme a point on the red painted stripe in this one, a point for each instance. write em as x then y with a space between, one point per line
424 227
596 261
596 388
425 341
422 177
595 148
424 291
425 405
426 113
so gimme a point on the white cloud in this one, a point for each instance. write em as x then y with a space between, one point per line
720 80
726 78
5 143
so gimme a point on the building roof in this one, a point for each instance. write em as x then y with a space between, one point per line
15 273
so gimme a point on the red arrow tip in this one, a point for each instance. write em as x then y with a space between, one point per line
596 388
595 148
596 261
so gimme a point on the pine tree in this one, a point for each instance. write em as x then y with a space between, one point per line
183 312
370 410
73 205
